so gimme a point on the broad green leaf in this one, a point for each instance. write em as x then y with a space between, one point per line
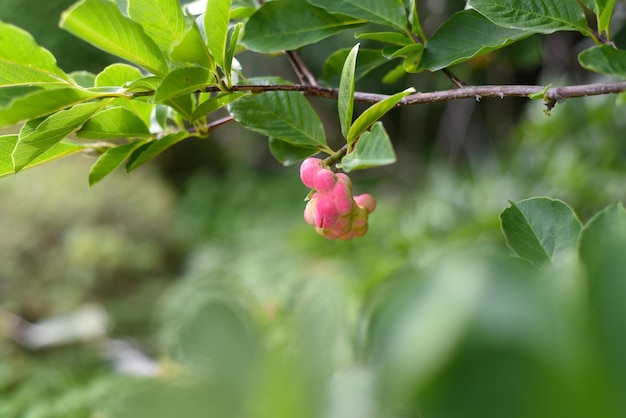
373 113
288 154
290 24
373 149
387 37
413 58
37 136
145 84
216 20
110 160
101 23
114 122
117 75
283 115
539 16
9 94
540 229
383 12
23 62
345 101
602 252
184 105
181 82
162 20
214 103
369 60
604 59
193 50
8 143
151 149
41 103
466 35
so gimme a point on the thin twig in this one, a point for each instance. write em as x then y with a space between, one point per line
555 94
219 122
302 71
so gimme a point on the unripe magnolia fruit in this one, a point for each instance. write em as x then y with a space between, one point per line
366 201
308 171
332 209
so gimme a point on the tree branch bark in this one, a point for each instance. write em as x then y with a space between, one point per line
552 95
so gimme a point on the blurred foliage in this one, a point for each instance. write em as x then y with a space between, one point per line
246 312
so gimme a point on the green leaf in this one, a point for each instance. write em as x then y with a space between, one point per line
181 82
383 12
110 160
233 39
373 113
193 50
214 103
604 59
604 11
345 102
540 229
539 16
37 136
118 75
216 20
151 149
288 154
84 79
184 105
373 149
23 62
601 250
369 60
394 38
40 103
466 35
101 23
114 122
8 143
290 24
162 20
283 115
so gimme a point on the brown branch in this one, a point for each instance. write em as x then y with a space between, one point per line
302 71
552 94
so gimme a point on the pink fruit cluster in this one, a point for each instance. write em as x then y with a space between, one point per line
332 210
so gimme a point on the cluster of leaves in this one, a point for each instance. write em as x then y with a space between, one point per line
184 69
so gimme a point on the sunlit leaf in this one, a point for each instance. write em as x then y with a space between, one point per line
193 50
110 160
387 37
23 62
345 101
41 103
59 150
101 23
37 136
151 149
118 75
162 20
291 24
373 149
540 229
114 122
216 20
182 81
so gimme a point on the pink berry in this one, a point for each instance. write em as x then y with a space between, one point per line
366 201
310 209
327 233
342 196
308 171
324 180
325 212
343 224
343 178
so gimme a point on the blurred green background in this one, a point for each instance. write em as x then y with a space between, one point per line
193 288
